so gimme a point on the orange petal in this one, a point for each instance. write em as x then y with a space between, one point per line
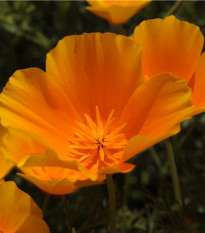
49 159
197 84
105 3
96 70
169 45
2 181
57 187
32 101
16 144
140 143
33 224
116 12
157 106
58 181
6 166
15 206
119 168
115 168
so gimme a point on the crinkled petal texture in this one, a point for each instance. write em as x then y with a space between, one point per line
77 118
169 45
116 12
155 106
18 212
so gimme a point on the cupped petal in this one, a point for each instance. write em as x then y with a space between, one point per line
116 12
96 70
197 84
34 102
21 204
33 224
169 45
157 106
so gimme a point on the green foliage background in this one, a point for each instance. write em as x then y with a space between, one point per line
145 197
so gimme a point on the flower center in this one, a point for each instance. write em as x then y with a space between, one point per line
98 143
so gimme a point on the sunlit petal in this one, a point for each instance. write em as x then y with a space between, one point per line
32 101
94 68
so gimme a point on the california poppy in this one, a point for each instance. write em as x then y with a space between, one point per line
171 45
88 113
18 212
116 12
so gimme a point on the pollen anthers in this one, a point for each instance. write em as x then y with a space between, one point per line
97 143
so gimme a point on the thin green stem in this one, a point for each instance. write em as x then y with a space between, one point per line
162 167
175 178
112 203
155 157
174 8
45 202
28 33
66 211
126 187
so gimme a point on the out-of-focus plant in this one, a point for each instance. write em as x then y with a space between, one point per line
16 20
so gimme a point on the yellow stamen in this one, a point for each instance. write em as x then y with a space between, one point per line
97 143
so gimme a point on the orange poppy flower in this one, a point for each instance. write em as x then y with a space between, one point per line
18 212
88 113
171 45
116 12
